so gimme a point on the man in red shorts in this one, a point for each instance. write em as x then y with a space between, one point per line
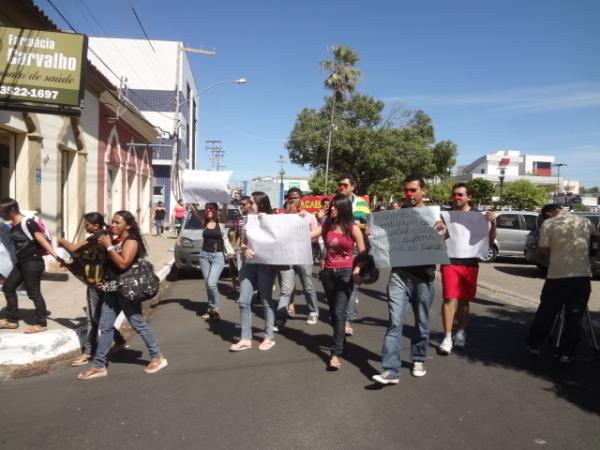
459 278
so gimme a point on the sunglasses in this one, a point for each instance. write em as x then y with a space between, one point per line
458 194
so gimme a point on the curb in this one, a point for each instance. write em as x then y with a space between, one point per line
31 354
520 299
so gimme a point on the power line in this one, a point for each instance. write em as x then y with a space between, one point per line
142 27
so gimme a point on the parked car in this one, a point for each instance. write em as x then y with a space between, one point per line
512 228
189 243
531 247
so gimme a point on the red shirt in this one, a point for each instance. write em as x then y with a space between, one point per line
338 248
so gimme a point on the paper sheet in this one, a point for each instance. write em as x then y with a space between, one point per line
406 237
7 252
201 186
469 234
282 239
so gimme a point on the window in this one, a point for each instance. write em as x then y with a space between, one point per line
482 170
530 222
508 221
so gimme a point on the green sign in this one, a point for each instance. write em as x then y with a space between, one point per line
41 66
294 184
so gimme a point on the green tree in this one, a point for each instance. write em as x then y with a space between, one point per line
342 79
317 182
443 158
482 191
524 195
440 193
365 145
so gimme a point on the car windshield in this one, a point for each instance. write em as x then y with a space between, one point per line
193 223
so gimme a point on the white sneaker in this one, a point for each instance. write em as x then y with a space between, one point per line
418 369
312 319
445 347
460 339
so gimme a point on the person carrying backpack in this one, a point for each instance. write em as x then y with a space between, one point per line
30 245
90 258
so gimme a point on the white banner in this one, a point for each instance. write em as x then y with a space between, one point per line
469 234
201 186
7 252
407 237
279 239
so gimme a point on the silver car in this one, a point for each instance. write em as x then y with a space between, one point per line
189 243
512 228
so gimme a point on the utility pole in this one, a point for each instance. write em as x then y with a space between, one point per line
216 154
175 182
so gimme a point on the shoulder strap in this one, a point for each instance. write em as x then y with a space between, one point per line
26 230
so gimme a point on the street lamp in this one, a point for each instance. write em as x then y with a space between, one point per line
501 178
239 81
558 166
281 175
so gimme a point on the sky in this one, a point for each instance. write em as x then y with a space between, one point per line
492 75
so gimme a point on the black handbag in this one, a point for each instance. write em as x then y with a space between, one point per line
139 282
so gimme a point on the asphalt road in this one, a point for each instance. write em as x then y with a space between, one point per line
492 396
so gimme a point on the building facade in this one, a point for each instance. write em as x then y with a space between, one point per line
513 166
157 78
60 165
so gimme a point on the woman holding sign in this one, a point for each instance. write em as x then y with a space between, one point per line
256 277
215 248
340 234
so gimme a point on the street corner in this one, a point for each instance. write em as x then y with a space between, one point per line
24 355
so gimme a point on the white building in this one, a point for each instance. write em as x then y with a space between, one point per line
515 166
271 185
151 72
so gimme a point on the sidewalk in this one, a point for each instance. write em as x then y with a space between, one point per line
65 300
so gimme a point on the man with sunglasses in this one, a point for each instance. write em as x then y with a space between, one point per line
459 278
360 213
408 286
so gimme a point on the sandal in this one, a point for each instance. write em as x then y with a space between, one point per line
156 364
348 331
240 346
205 316
8 325
93 372
81 360
335 362
35 329
267 344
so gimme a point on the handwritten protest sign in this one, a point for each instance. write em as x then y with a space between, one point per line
281 239
406 237
469 234
7 253
201 186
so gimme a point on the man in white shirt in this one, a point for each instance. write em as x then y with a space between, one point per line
565 240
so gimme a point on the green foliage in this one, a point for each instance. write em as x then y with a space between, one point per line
592 190
443 158
440 193
481 191
524 195
343 75
579 207
317 182
365 145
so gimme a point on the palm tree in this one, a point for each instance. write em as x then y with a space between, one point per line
342 79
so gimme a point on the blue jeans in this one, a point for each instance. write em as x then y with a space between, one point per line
94 299
211 265
260 277
288 278
404 289
112 306
159 224
337 284
352 309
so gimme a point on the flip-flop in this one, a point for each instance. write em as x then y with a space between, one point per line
240 347
264 346
90 374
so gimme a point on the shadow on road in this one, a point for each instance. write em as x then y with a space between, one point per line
521 271
497 339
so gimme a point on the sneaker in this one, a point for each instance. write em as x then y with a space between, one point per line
312 319
445 347
418 369
278 326
386 377
460 339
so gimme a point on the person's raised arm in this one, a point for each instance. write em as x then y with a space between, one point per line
72 246
196 212
122 260
224 209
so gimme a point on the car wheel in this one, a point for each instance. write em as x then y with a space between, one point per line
492 255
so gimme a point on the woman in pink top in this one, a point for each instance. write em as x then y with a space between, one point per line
179 215
338 277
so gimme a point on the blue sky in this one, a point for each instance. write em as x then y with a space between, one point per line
499 75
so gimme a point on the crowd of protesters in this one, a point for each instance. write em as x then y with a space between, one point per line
340 234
